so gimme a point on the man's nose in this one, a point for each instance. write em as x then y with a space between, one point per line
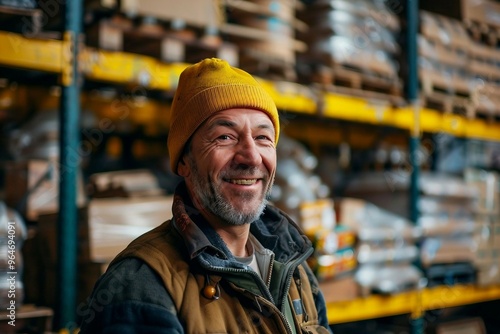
247 152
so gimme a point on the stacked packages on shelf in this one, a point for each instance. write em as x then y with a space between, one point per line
257 36
481 21
264 31
164 29
296 182
444 54
353 44
302 194
487 225
446 218
32 178
386 247
457 72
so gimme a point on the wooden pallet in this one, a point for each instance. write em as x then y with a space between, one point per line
188 45
487 99
393 100
266 66
449 104
451 96
484 62
357 80
481 21
432 81
483 33
483 103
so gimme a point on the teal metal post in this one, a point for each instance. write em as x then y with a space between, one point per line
413 97
69 166
412 17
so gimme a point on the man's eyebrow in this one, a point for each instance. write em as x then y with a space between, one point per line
265 126
231 124
221 122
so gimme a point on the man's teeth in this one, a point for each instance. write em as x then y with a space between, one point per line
245 182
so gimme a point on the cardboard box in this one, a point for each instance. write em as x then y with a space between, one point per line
132 183
444 30
40 269
47 232
115 222
489 273
482 11
469 326
105 227
264 31
32 187
341 289
200 13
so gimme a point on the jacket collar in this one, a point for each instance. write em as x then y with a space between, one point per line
274 230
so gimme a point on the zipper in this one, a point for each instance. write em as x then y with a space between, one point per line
289 278
292 268
270 300
266 291
270 272
280 315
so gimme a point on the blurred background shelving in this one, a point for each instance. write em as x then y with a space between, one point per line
339 74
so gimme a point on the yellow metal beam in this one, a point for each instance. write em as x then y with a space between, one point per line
360 110
33 54
129 68
458 295
145 112
357 109
480 129
291 97
371 307
376 306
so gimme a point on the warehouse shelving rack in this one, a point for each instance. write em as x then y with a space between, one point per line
64 58
126 68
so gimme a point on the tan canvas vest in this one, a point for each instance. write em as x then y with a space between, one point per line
236 311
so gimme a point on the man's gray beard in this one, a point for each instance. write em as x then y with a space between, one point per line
215 203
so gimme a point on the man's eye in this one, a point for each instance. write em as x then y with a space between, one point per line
223 137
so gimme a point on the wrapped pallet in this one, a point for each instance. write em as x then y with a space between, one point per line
352 44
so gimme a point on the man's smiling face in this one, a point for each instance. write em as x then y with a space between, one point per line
231 164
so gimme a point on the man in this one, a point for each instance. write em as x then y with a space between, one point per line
227 262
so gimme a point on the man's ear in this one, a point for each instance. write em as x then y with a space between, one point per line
183 167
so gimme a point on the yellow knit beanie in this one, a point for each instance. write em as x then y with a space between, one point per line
205 88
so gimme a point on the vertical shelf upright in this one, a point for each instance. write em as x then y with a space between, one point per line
412 96
69 164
